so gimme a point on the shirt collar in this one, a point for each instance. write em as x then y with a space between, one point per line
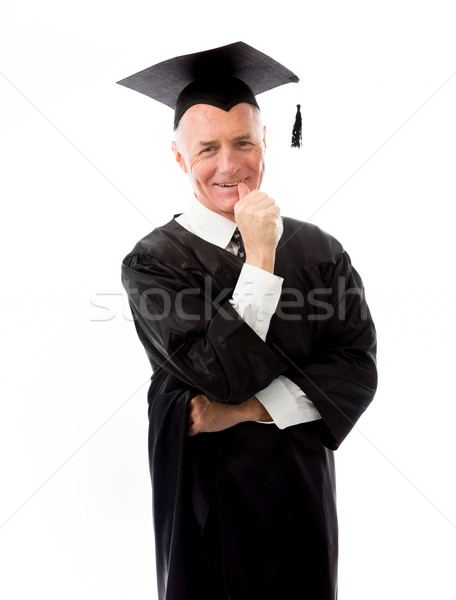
209 225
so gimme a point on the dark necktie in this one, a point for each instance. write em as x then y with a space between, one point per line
238 239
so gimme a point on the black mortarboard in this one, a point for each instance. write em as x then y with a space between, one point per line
222 77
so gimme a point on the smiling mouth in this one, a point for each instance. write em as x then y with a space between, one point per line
231 184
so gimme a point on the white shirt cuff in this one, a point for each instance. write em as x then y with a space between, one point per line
286 403
256 296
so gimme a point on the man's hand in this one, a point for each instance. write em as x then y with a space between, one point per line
206 416
256 217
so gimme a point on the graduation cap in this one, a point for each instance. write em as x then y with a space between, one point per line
222 77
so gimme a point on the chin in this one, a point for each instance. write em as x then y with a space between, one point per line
226 207
223 199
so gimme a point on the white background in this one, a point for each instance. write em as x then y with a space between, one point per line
86 170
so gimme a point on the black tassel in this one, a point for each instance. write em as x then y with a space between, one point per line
296 136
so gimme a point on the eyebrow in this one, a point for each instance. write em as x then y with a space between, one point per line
245 136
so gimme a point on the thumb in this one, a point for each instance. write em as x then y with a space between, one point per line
243 190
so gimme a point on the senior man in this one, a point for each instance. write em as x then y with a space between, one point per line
262 349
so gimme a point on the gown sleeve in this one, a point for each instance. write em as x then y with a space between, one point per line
189 328
341 375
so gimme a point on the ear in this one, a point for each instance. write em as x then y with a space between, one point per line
264 136
178 156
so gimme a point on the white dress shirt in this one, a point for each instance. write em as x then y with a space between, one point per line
255 298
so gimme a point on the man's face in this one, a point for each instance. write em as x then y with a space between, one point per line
218 149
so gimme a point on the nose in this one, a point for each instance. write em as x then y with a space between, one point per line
228 161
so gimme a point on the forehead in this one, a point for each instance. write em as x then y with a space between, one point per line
209 122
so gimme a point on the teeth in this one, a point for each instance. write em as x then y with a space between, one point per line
231 184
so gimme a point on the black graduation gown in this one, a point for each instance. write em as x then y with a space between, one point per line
272 490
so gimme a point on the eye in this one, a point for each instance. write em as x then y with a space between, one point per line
243 143
208 149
